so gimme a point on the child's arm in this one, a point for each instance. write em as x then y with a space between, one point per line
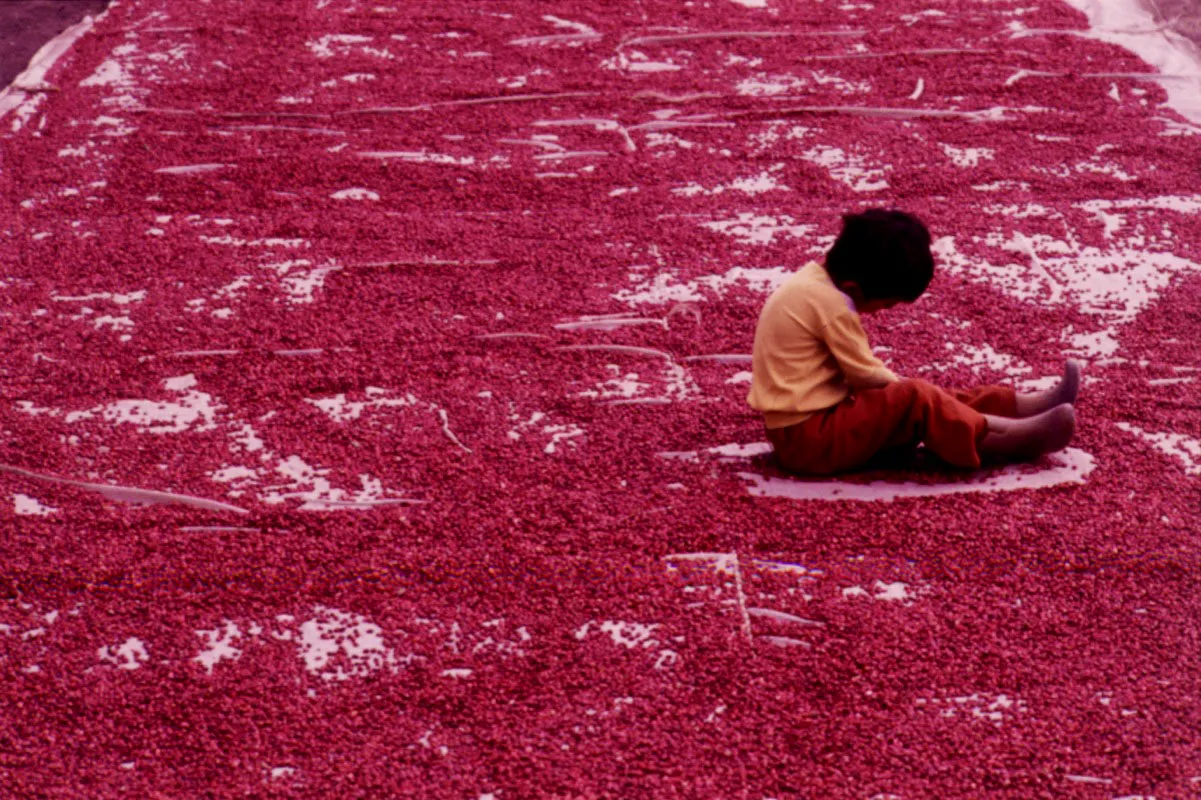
848 343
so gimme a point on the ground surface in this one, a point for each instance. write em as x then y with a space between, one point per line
374 426
27 24
1183 15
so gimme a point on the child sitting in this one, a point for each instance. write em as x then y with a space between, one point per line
830 405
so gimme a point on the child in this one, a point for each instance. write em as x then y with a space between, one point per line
830 405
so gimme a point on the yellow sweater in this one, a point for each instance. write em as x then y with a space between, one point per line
810 350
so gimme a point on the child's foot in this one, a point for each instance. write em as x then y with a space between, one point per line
1027 439
1029 405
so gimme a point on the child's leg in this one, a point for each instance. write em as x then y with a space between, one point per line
906 412
1025 439
997 401
1028 405
1003 401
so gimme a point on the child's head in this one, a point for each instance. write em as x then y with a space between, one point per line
881 258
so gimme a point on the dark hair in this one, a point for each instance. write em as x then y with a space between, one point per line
885 252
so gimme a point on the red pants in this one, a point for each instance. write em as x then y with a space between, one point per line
899 415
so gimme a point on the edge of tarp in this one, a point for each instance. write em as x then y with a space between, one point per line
33 78
1132 24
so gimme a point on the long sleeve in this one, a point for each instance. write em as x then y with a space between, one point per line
845 337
